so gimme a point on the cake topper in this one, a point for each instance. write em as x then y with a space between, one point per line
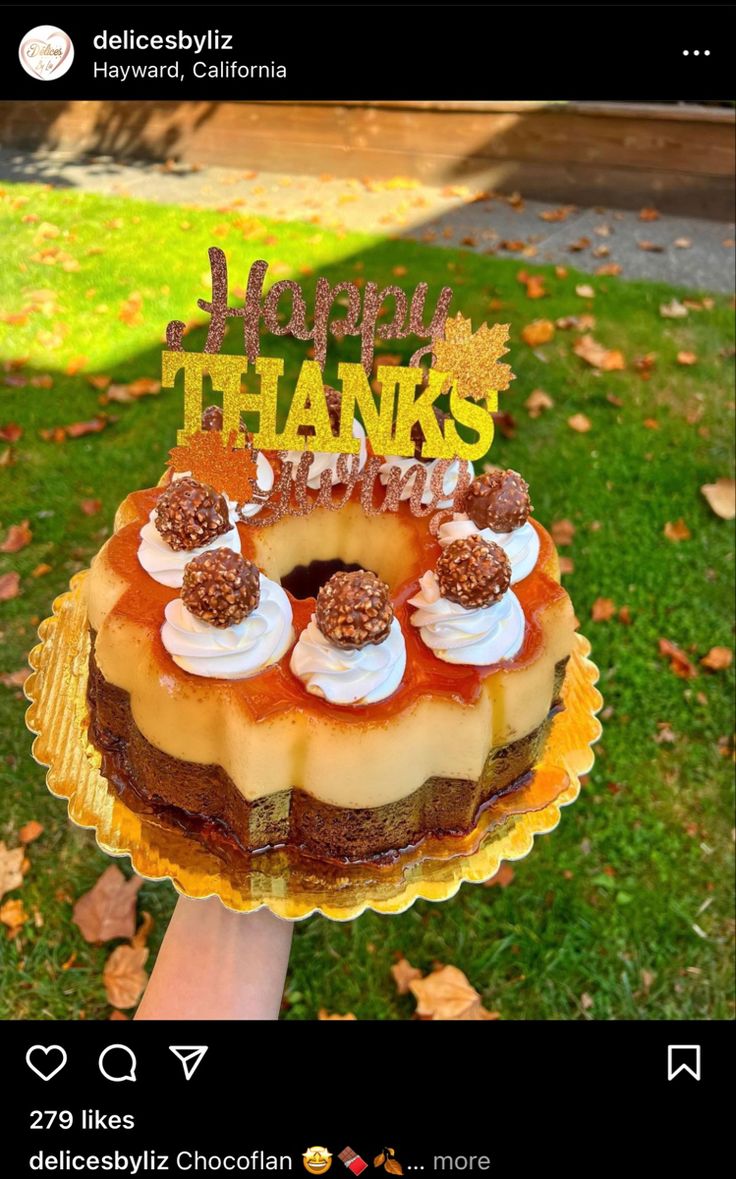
397 406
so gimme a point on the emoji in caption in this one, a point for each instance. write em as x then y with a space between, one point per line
317 1160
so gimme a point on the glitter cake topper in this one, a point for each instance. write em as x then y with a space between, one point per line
468 368
394 406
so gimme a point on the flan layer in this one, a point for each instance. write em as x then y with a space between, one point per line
206 802
266 733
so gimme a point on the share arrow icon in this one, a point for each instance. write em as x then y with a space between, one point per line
190 1056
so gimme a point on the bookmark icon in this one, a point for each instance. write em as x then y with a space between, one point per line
190 1057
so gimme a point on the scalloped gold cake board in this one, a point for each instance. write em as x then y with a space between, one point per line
291 885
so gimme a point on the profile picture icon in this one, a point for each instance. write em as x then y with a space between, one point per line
46 53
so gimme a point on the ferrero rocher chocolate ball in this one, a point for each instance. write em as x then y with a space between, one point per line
498 500
212 419
190 514
221 587
417 433
473 572
354 609
333 397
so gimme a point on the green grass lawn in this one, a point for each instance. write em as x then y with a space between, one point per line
625 911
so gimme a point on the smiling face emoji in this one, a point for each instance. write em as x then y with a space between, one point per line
317 1160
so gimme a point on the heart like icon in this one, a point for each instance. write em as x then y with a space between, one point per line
50 1060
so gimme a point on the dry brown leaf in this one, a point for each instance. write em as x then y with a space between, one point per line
142 933
602 610
9 586
562 531
74 430
648 214
30 831
502 878
393 1167
41 570
90 507
534 283
677 531
144 387
721 497
404 973
687 358
586 1001
581 244
99 381
539 331
579 423
609 270
624 616
585 291
537 401
682 243
14 679
679 662
108 909
123 977
606 359
718 659
505 423
567 565
11 868
13 915
18 536
651 247
447 994
673 310
560 214
324 1014
578 323
11 432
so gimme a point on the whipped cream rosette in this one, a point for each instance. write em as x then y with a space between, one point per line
465 611
352 650
497 509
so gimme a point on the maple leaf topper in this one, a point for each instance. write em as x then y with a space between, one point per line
473 357
212 461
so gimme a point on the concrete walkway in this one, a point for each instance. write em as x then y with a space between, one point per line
685 251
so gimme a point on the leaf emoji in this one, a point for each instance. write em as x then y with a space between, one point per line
108 910
393 1167
379 1160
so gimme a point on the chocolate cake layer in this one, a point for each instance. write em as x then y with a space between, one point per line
204 800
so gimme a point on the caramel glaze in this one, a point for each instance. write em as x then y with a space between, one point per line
277 689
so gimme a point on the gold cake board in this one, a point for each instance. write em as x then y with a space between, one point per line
292 886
